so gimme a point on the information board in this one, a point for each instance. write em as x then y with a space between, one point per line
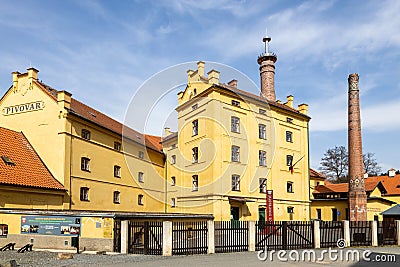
51 225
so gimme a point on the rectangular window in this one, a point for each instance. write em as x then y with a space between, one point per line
262 111
289 187
319 214
195 155
262 131
263 185
289 160
140 199
195 183
289 120
195 127
289 136
235 103
235 182
235 124
117 146
117 171
84 194
85 164
86 134
141 177
173 159
116 197
262 158
195 106
173 202
290 209
235 156
173 181
334 215
141 154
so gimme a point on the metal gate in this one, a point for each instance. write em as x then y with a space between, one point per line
387 233
360 233
145 237
331 232
231 236
189 238
284 235
117 236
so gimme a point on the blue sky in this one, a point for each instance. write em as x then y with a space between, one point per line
102 51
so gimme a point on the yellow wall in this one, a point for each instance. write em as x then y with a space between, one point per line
22 198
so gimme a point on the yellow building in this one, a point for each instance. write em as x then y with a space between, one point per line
231 147
330 201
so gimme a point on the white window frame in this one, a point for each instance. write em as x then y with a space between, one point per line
235 124
262 131
235 182
235 154
262 158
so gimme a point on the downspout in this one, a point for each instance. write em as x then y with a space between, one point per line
308 170
165 183
70 169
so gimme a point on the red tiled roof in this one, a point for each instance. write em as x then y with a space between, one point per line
315 174
99 118
29 170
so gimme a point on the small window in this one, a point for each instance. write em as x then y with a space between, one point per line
173 146
86 134
262 131
195 155
235 157
195 106
173 202
235 103
194 91
263 185
84 194
8 161
262 111
140 199
289 160
117 146
141 177
85 162
117 171
141 154
289 187
289 120
195 127
319 214
262 158
173 159
116 197
290 209
195 183
235 182
235 124
289 136
173 181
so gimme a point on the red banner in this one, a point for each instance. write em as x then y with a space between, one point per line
269 216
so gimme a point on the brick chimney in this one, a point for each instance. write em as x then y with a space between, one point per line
267 72
357 195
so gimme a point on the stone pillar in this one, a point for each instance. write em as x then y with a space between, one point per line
317 234
124 237
374 233
167 238
346 232
398 231
210 237
252 235
357 195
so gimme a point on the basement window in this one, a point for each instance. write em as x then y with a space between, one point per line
8 161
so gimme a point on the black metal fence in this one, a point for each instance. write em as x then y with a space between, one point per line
330 233
117 236
231 236
145 237
387 233
269 235
189 238
360 233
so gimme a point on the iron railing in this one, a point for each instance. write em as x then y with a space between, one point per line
189 238
231 236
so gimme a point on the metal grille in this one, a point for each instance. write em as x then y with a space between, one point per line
387 233
331 232
145 237
231 236
189 238
360 233
117 236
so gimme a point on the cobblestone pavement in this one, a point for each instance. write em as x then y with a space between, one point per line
248 259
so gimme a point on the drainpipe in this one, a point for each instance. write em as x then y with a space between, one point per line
165 183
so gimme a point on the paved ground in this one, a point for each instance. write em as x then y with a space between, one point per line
248 259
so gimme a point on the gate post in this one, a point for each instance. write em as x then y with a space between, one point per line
167 238
284 235
398 231
317 234
124 237
346 232
252 235
374 233
210 237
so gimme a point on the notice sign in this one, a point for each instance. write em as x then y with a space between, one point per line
269 216
21 108
51 225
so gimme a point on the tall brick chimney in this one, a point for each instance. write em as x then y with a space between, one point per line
267 72
357 195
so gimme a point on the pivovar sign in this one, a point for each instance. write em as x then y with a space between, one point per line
21 108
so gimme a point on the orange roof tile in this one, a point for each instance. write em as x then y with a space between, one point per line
99 118
315 174
28 169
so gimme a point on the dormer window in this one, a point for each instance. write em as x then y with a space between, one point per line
8 161
235 103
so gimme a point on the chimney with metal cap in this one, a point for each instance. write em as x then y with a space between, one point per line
267 72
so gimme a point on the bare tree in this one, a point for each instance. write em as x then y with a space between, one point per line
334 164
370 165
